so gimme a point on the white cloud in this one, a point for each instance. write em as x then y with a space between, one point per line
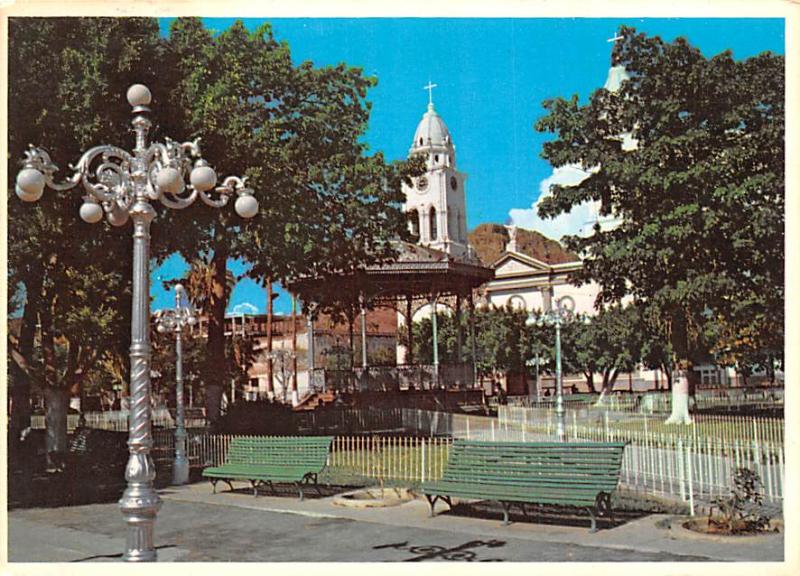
577 221
244 308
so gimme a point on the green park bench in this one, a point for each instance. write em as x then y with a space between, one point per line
266 460
574 474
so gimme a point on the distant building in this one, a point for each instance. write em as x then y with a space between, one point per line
332 348
531 271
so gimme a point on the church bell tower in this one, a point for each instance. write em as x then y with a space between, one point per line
435 204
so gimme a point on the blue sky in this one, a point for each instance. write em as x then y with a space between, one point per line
492 76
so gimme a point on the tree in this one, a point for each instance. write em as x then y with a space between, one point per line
611 343
74 281
200 282
239 355
503 341
296 132
689 154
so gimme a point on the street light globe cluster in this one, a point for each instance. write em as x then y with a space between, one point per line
164 168
122 185
181 317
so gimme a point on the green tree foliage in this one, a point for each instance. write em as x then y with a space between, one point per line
701 196
239 356
504 342
607 344
67 81
295 131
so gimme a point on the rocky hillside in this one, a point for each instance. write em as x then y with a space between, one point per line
489 241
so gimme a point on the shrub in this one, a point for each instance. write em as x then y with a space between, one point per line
743 510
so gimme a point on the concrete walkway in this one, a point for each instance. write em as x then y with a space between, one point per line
195 525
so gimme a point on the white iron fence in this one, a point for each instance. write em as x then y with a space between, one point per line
389 458
695 463
690 463
729 399
601 420
116 420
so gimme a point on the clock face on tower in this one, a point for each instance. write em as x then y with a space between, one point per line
422 183
453 182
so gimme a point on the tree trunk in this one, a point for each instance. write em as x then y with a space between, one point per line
771 369
20 392
667 370
609 379
56 397
215 369
56 401
590 381
213 402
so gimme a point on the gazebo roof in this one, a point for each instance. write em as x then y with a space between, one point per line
418 271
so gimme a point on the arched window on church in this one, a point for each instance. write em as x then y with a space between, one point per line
517 302
458 226
413 223
432 224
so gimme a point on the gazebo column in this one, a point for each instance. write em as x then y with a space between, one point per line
459 335
459 341
270 378
310 329
434 324
362 301
295 395
409 330
351 319
473 348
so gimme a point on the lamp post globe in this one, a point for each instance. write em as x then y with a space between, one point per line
30 185
118 216
203 178
169 180
139 95
91 212
246 206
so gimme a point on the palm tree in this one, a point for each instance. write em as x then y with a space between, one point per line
210 297
199 283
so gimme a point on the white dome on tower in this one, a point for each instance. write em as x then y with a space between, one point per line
616 76
431 131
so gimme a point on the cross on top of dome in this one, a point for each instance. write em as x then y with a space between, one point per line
430 88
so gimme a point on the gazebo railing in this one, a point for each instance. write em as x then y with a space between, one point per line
389 378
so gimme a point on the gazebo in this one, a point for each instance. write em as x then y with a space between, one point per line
420 276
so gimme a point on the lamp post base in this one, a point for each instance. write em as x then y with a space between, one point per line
180 472
139 506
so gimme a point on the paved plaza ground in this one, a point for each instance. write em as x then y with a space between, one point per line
195 525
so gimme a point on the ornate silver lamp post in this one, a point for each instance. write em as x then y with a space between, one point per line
176 320
122 185
562 313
